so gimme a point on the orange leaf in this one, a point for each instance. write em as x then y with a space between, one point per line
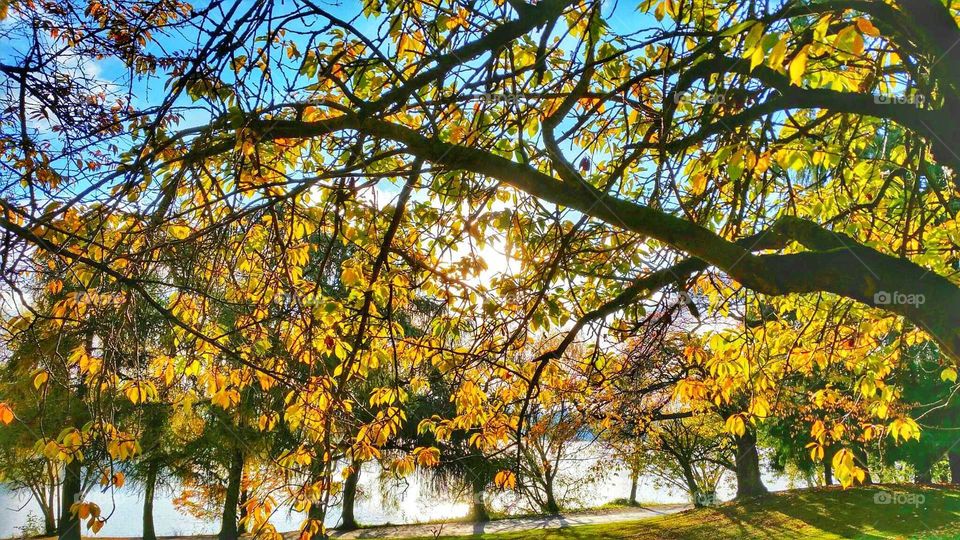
6 414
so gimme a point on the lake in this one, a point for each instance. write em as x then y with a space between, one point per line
376 503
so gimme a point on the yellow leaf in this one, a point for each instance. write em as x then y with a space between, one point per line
757 57
798 66
948 374
350 277
40 379
179 232
735 425
777 55
428 457
698 183
505 480
753 39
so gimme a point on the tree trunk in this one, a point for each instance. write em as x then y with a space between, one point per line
49 516
923 475
861 454
348 521
692 488
828 467
72 483
633 488
244 497
953 457
49 522
316 512
228 522
923 471
478 507
749 481
551 507
150 487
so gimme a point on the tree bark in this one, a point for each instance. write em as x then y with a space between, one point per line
45 495
923 475
69 528
692 488
828 469
861 454
49 522
149 531
478 506
244 497
749 481
551 506
348 521
633 488
953 457
228 521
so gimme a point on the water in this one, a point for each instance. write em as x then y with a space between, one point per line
376 504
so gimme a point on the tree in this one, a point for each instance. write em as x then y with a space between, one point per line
928 392
790 159
463 467
691 453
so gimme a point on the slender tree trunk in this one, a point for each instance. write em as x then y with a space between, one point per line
72 483
953 457
478 507
692 488
316 512
749 481
149 531
228 522
348 521
551 507
49 522
634 476
861 454
923 472
49 515
244 497
828 467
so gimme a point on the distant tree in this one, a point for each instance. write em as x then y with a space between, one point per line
692 454
929 392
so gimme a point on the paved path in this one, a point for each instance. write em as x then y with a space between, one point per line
513 525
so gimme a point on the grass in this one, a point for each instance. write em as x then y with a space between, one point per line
814 513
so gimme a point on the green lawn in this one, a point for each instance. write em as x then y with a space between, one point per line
820 513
